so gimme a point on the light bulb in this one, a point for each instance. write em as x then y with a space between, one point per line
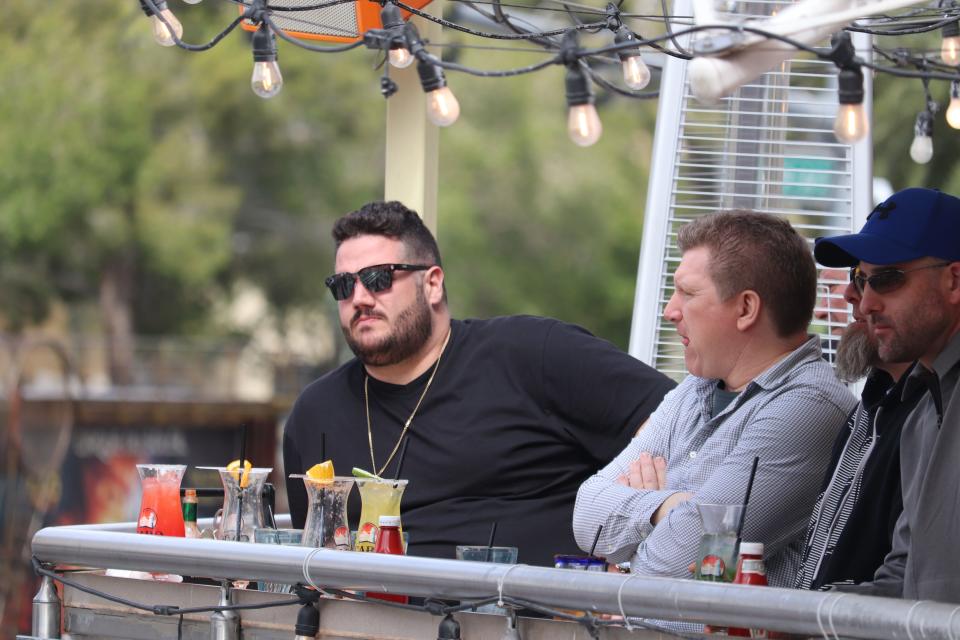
400 58
636 73
267 79
442 107
950 50
851 124
160 31
953 113
921 149
583 124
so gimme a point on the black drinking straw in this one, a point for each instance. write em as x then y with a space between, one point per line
596 539
243 468
403 453
323 446
746 499
493 533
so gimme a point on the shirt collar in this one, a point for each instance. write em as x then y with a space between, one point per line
772 377
947 358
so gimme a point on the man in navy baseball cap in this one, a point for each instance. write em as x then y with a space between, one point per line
905 264
910 224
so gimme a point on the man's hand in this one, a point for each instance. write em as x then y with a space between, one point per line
648 472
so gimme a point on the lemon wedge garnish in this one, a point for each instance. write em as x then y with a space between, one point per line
234 469
321 471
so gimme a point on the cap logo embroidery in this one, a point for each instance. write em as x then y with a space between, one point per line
883 210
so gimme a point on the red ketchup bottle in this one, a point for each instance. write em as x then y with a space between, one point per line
750 570
389 541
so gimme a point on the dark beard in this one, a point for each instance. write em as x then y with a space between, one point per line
856 353
411 330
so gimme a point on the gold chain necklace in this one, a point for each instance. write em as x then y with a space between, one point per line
406 426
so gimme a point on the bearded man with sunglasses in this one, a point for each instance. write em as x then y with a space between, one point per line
906 262
496 421
851 528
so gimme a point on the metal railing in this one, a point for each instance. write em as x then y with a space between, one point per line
802 612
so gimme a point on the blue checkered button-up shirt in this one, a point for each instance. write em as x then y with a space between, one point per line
789 416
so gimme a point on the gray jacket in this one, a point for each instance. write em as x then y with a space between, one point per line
923 563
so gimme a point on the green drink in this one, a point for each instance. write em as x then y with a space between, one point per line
717 555
378 498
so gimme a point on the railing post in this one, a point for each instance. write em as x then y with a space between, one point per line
225 625
46 610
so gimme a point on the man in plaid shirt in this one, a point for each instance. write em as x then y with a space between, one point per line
744 294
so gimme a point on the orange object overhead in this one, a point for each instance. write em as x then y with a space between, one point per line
337 23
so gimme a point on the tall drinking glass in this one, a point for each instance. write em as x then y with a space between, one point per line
242 510
326 524
378 498
717 557
160 511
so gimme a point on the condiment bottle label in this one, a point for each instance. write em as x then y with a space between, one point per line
754 566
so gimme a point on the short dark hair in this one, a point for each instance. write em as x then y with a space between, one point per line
393 220
758 251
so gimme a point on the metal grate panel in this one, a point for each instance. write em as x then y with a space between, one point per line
337 21
769 147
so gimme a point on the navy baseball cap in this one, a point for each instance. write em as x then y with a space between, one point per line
910 224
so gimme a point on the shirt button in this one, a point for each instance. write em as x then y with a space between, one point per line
693 454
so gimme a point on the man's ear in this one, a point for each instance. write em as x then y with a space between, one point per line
748 309
433 285
953 285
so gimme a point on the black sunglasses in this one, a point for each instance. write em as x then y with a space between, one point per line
886 281
377 278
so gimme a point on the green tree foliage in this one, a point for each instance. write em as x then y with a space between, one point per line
150 179
158 173
531 223
105 178
896 103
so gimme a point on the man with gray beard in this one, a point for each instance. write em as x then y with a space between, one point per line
848 537
906 269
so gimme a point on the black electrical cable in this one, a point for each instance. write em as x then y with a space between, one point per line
312 7
548 40
306 596
582 8
506 73
192 47
492 36
666 25
901 57
320 27
906 73
501 18
609 86
303 45
903 31
158 609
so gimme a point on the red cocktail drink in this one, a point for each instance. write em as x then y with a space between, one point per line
160 510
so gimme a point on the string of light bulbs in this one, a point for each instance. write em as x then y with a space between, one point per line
402 46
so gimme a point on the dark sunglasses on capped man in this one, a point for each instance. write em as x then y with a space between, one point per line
375 279
886 281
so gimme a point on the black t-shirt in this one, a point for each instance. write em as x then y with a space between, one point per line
520 412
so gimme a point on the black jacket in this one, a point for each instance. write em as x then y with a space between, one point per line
867 536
